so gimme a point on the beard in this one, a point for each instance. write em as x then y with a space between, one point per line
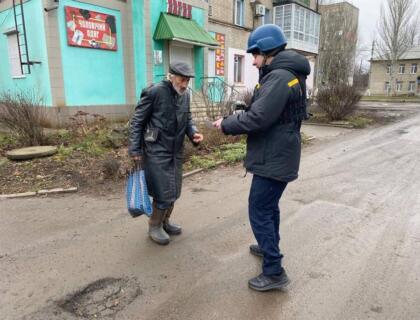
179 90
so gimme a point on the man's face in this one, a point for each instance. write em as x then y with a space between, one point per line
180 83
258 60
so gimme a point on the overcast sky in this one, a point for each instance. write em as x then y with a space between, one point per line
369 13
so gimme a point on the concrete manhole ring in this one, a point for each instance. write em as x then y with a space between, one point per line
31 152
102 298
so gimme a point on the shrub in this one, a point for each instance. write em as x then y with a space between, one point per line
23 114
338 101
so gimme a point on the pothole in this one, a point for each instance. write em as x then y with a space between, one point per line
102 298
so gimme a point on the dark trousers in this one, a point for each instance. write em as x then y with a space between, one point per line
264 216
162 204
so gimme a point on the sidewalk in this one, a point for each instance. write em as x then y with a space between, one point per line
323 132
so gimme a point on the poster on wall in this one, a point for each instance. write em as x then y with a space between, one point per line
90 29
220 55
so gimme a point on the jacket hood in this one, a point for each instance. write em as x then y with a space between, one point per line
290 60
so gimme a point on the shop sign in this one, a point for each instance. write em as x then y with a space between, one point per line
179 8
90 29
220 55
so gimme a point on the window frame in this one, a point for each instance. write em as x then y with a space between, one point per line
413 68
411 86
242 13
401 69
398 86
238 69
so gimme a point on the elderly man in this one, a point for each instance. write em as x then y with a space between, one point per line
161 120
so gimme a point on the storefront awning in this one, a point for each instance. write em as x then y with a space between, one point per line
184 30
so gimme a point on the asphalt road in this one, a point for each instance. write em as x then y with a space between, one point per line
350 233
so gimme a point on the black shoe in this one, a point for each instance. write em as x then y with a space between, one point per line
255 250
265 283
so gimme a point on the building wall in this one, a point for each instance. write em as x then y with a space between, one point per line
139 47
92 76
158 71
221 21
378 77
38 82
338 37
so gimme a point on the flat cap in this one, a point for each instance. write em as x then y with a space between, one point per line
181 69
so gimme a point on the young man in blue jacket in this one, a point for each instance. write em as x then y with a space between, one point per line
272 122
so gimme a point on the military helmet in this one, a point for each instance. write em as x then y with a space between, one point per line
266 38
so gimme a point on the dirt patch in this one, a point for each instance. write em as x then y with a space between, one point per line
77 170
98 160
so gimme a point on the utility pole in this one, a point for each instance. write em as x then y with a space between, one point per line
370 67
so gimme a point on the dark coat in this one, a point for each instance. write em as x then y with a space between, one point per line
161 120
273 143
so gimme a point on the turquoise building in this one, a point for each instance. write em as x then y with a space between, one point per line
97 56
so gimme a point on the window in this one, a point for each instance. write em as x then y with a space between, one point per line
267 18
388 69
411 86
14 60
414 68
238 69
300 26
239 12
399 85
401 69
387 87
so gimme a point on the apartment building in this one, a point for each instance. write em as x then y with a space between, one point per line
406 77
233 20
338 42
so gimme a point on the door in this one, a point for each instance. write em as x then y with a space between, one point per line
181 52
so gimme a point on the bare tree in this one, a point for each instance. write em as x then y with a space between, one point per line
338 43
397 32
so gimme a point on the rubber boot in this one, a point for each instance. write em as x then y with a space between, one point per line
156 232
171 228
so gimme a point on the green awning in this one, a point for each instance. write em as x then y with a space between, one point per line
176 28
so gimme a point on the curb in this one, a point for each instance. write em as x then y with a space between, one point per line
74 189
39 192
329 125
193 172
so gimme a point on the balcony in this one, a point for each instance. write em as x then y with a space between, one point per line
306 3
300 25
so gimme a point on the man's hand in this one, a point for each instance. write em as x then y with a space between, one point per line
138 161
197 137
218 124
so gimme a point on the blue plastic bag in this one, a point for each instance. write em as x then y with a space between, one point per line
138 201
